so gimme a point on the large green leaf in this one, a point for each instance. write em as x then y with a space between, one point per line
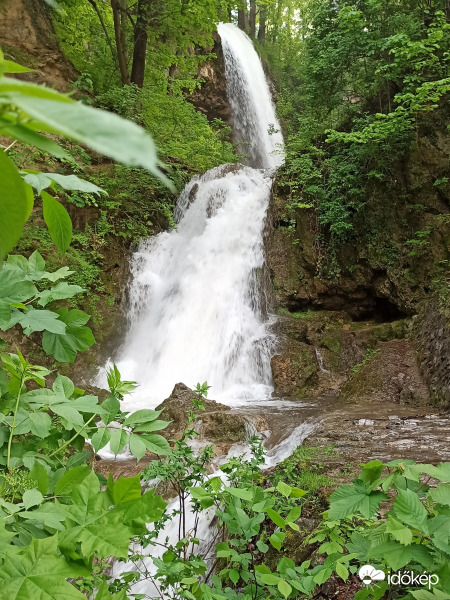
77 337
32 138
100 130
93 524
31 269
40 181
41 320
156 444
441 494
349 499
397 555
15 204
119 439
60 291
58 222
409 509
39 572
126 489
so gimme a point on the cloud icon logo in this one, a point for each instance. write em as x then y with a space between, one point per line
369 574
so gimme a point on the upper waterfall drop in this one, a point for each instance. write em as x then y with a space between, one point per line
255 123
197 307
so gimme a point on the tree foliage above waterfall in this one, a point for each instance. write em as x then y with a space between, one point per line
359 80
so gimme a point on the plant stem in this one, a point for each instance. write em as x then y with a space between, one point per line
72 438
13 426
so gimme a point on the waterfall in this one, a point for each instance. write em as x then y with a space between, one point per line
255 124
197 310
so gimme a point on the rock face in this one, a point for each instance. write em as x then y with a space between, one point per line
217 424
431 336
320 350
27 36
211 98
400 246
390 374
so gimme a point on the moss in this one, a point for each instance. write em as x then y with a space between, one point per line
333 344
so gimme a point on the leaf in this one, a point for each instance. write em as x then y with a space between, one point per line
349 499
119 439
100 438
32 498
409 509
284 588
74 183
126 489
39 474
11 67
269 578
276 518
284 489
61 291
71 479
342 571
32 138
111 406
262 547
65 347
42 320
38 181
100 130
240 493
277 539
152 426
142 416
156 444
38 571
15 204
397 555
40 423
441 494
234 576
58 222
61 273
398 531
137 446
95 528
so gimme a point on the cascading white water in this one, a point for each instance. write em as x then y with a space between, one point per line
197 309
255 124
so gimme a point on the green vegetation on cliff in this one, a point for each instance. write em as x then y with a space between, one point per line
363 97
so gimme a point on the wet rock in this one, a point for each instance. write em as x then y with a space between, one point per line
177 406
217 424
294 369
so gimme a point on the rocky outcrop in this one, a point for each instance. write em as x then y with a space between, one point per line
320 350
216 424
27 36
432 341
211 97
389 374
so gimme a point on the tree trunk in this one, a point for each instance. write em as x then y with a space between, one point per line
119 17
140 42
243 19
262 25
252 18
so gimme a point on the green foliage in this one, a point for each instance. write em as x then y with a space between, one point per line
27 108
412 535
23 301
357 79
